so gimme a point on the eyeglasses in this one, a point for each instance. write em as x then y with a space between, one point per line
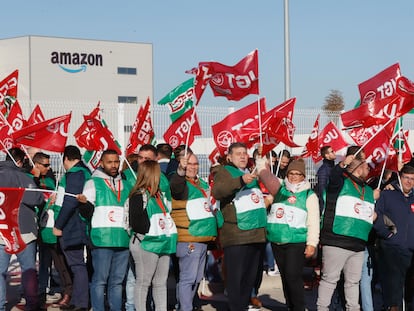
193 164
44 164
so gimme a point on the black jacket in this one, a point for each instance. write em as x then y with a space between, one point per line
328 237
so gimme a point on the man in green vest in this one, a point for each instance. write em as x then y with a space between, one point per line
196 223
347 221
105 194
244 230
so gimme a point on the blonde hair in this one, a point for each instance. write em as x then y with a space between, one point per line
148 178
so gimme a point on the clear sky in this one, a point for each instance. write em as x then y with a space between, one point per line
333 44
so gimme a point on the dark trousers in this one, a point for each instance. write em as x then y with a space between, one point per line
242 262
393 265
62 268
76 262
290 260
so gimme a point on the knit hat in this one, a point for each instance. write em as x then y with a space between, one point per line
297 165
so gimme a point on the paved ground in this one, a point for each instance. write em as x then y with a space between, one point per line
270 293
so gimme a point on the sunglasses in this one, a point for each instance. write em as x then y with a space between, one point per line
44 165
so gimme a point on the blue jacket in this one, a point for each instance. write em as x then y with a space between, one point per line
400 209
69 221
323 178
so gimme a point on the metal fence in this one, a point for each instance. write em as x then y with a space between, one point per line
121 117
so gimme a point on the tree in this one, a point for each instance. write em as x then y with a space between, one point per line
334 104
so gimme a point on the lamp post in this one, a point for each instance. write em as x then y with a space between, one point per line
287 59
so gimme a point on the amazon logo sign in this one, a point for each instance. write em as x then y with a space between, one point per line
75 62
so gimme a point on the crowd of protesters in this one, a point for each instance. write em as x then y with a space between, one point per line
115 234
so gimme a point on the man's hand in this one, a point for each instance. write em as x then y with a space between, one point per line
81 198
309 251
248 178
57 231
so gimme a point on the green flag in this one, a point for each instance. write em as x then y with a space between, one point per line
180 99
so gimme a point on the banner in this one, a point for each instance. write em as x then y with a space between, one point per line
180 99
239 126
178 131
235 82
311 148
49 135
8 92
142 131
10 199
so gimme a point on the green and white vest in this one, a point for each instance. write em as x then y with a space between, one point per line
286 221
162 234
354 211
199 211
249 204
107 224
54 209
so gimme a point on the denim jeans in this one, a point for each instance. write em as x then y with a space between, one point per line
75 259
27 261
192 264
129 291
365 284
109 270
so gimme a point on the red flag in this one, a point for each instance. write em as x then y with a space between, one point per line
332 136
378 148
95 136
10 199
237 126
6 140
278 126
236 82
142 131
201 80
214 156
178 131
380 100
381 86
36 116
362 135
8 92
49 135
312 146
15 117
94 114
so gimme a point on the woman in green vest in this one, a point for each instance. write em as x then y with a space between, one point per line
154 236
292 228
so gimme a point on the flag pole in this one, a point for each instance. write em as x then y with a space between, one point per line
8 153
259 113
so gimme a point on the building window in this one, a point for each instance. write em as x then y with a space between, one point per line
127 128
127 99
127 71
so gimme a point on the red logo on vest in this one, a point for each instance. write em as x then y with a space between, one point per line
161 223
280 212
255 198
292 199
357 207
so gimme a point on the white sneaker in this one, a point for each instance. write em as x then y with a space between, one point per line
53 298
273 273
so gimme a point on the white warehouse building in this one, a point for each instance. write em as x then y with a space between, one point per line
64 75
